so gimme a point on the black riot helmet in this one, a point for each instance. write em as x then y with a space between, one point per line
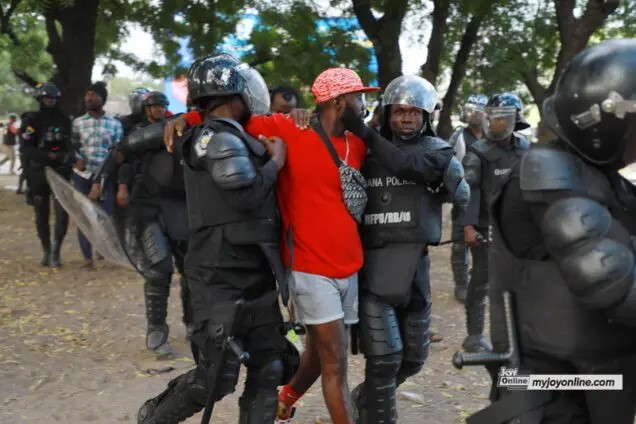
136 98
593 107
510 100
410 90
223 75
474 104
155 98
47 89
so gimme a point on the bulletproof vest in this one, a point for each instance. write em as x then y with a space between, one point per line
52 132
401 211
207 205
549 318
496 166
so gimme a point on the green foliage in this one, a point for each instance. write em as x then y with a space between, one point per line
305 46
521 36
31 55
121 87
205 22
292 42
621 24
14 96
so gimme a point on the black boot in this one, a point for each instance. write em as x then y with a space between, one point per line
156 296
185 396
46 258
476 343
54 261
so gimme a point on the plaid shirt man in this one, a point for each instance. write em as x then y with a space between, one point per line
94 137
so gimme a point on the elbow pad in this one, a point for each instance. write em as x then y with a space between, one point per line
229 161
146 138
592 250
472 168
456 184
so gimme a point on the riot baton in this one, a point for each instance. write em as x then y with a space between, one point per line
355 339
480 239
225 342
510 358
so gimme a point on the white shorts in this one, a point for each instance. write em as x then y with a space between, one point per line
320 299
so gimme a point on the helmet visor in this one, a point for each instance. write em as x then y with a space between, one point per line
473 114
409 90
256 92
499 122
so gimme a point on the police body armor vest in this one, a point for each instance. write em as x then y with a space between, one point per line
207 205
401 211
549 318
496 165
52 130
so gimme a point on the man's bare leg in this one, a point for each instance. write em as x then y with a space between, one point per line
330 341
309 367
326 341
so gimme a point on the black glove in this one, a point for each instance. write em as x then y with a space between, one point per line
353 123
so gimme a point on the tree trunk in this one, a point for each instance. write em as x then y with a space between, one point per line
384 33
387 51
574 34
430 70
73 51
445 126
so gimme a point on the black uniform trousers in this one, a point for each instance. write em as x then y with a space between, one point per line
40 195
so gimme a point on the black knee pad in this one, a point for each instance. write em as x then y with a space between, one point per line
155 243
385 366
209 338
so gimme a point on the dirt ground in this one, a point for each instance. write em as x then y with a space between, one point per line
72 342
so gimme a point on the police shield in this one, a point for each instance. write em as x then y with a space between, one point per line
91 219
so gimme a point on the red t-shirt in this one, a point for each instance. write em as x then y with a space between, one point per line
325 236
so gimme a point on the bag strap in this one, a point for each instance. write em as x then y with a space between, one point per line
315 124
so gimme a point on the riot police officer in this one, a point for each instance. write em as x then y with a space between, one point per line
473 115
45 139
562 226
487 163
137 113
233 220
409 178
156 224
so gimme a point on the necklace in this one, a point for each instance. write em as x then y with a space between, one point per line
347 148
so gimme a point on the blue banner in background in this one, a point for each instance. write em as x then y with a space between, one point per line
176 89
